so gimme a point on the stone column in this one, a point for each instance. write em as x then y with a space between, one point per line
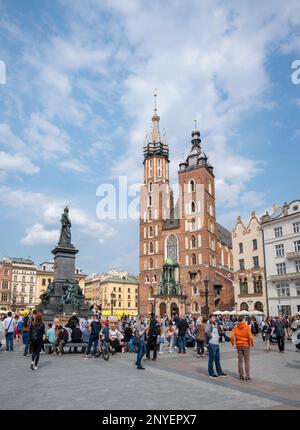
64 263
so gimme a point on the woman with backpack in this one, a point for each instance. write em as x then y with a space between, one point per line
25 336
37 331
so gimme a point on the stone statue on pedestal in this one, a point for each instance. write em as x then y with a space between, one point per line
64 294
45 297
65 233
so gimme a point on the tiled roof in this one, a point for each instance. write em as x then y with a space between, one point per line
224 235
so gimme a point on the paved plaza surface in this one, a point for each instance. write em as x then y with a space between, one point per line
172 382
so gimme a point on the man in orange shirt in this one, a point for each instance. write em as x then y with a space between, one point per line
242 337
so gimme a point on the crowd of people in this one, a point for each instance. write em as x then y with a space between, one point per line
148 336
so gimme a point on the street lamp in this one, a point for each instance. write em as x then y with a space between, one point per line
112 303
14 303
205 294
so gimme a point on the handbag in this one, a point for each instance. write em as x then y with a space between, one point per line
6 330
136 339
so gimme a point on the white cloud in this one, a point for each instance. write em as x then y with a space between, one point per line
47 211
56 79
38 235
73 165
48 138
208 62
75 56
9 139
17 163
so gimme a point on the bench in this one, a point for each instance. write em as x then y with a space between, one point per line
70 345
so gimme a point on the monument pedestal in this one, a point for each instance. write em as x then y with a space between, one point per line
64 296
64 263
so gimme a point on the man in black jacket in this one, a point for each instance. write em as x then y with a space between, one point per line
94 337
73 321
76 336
182 329
153 333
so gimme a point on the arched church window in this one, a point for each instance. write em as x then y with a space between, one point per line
151 249
194 259
172 251
193 207
150 187
151 263
150 231
150 200
150 215
192 186
193 242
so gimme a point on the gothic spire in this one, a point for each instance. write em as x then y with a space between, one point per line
155 123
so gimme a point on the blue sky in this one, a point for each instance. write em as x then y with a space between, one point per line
78 99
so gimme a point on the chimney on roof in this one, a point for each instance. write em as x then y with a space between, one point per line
265 218
285 208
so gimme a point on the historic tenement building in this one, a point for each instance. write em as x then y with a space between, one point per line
181 244
248 260
23 282
5 285
115 292
281 232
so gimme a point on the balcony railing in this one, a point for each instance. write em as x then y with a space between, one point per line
292 255
285 277
244 295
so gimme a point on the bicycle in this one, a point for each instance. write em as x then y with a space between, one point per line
102 349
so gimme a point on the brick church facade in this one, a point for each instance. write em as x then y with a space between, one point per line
181 244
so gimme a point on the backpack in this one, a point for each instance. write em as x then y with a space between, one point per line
36 333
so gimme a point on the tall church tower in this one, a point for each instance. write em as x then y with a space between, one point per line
154 208
181 246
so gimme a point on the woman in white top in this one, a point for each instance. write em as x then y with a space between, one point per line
115 338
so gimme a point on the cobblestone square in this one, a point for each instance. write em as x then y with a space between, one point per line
171 382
